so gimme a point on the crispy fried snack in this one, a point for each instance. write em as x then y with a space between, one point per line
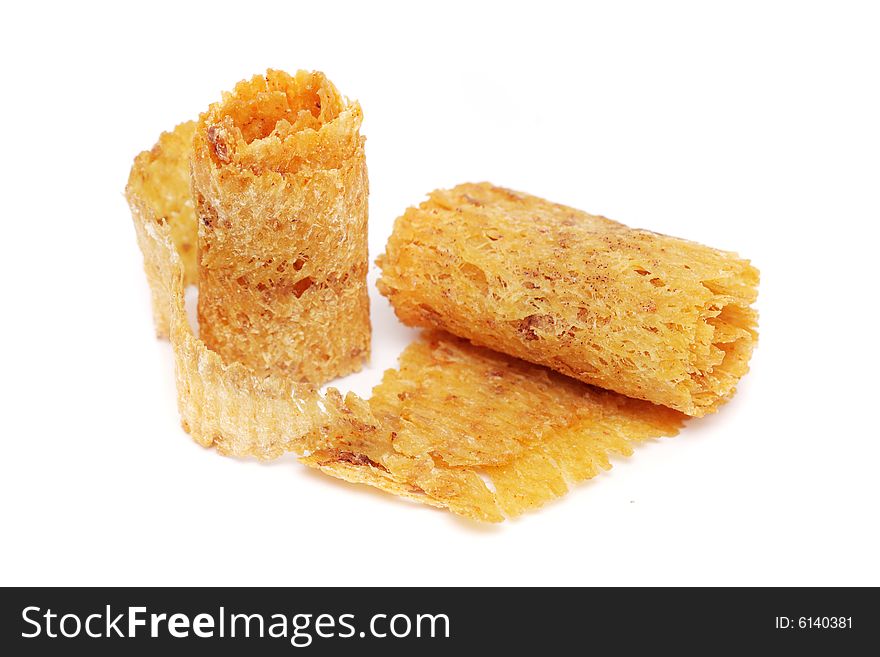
647 315
458 426
221 405
158 192
280 182
455 416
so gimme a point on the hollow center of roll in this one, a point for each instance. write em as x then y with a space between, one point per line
731 348
279 104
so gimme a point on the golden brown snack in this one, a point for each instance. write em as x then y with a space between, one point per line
159 193
647 315
221 405
485 435
280 182
455 415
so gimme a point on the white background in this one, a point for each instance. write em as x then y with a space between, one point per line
753 127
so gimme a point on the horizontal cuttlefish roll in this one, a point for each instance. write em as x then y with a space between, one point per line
646 315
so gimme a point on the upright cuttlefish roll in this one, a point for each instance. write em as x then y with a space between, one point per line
647 315
280 184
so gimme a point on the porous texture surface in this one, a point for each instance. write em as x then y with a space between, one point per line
459 427
158 192
480 433
646 315
222 405
280 183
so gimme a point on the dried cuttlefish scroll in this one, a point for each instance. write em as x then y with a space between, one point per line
280 182
221 405
160 196
453 417
647 315
480 433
